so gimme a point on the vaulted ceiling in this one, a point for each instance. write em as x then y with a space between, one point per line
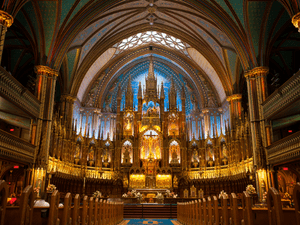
82 39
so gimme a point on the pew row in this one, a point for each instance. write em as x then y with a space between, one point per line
92 212
227 211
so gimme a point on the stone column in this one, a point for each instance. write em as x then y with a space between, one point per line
257 93
46 78
6 21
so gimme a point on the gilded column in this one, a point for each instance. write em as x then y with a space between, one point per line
6 21
257 93
46 78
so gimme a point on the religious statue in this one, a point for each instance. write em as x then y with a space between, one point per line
157 152
126 154
174 155
143 152
175 182
224 150
91 154
77 153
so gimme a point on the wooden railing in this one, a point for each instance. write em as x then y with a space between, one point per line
209 211
92 212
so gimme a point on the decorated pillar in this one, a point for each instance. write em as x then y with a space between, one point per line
46 80
257 93
6 21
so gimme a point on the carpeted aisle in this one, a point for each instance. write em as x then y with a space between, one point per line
150 221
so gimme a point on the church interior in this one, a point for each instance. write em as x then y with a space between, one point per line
150 102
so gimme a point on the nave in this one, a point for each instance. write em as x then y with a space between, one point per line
222 210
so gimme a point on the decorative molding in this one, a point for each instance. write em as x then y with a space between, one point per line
257 71
16 93
285 149
296 21
234 97
282 97
15 148
45 70
6 19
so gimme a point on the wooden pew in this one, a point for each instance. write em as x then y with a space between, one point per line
209 210
96 212
4 195
204 210
247 209
26 206
196 219
104 213
275 213
225 216
53 213
91 211
75 215
67 219
84 215
216 219
233 210
296 196
100 216
200 211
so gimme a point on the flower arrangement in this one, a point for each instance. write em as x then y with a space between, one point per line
139 196
170 194
130 194
286 195
223 194
159 196
50 188
36 189
264 198
97 194
250 189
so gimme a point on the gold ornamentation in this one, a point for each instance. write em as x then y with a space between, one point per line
6 19
234 97
45 70
296 21
257 71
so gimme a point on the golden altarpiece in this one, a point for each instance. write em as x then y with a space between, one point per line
151 148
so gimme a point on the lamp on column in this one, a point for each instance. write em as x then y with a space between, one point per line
296 21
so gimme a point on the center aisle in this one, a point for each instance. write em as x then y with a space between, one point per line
150 221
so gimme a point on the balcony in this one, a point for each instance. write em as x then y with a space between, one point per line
285 149
285 100
14 148
16 93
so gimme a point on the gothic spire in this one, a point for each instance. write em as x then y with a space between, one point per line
140 95
162 92
151 70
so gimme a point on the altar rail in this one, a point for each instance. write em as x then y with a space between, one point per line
207 210
91 212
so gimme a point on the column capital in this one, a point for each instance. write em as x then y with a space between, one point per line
6 19
257 71
296 21
205 111
234 97
45 70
